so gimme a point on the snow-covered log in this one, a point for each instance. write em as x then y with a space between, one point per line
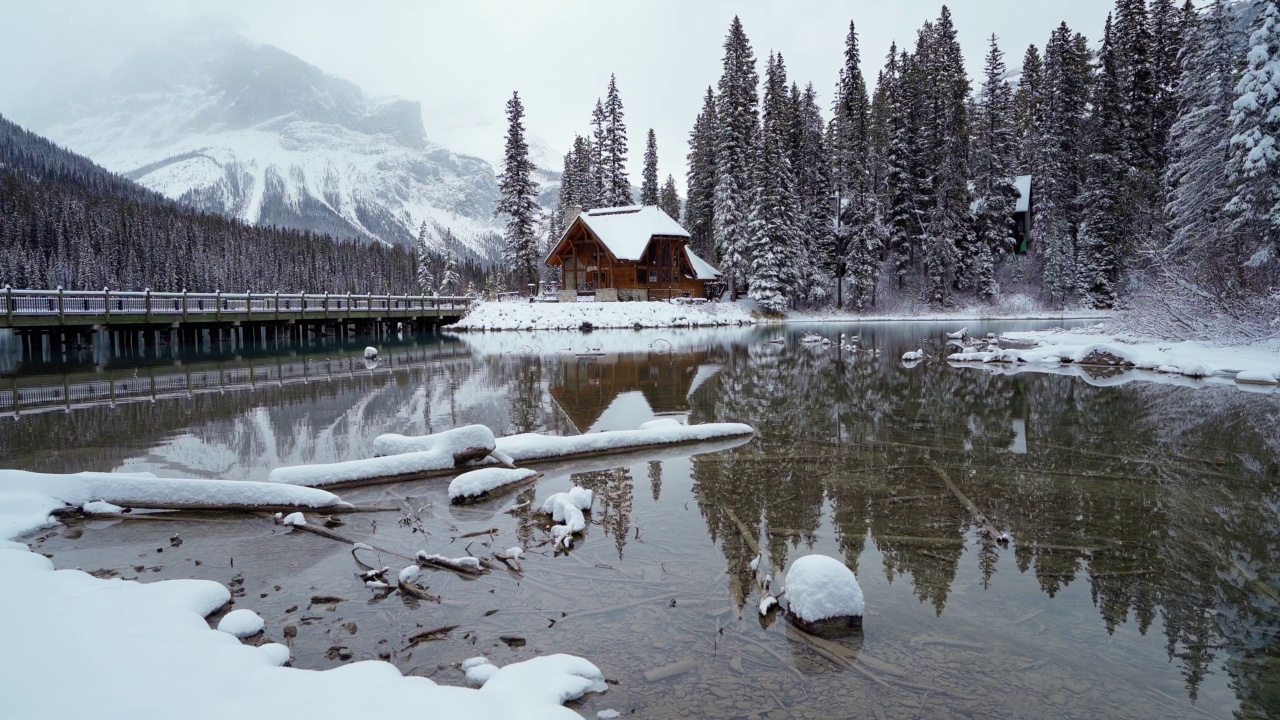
27 498
535 447
479 484
824 597
469 442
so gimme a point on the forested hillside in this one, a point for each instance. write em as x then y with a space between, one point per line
66 222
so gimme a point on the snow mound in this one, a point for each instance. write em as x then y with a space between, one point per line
98 507
1259 377
479 673
660 423
472 662
820 587
144 651
276 653
568 508
572 316
912 355
409 574
27 498
609 714
528 447
370 353
486 480
294 519
459 441
241 623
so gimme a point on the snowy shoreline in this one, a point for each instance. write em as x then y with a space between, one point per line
591 315
1250 367
799 318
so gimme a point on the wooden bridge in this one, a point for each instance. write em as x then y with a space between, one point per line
70 316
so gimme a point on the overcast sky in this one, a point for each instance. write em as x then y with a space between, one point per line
463 58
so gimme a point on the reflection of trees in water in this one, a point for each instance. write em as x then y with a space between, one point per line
612 490
655 479
1153 494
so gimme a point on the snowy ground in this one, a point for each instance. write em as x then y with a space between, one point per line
1254 367
572 316
144 650
969 314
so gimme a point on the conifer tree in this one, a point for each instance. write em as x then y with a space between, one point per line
617 184
582 191
773 238
1255 120
854 252
812 170
599 171
519 198
1103 224
1199 141
901 217
669 199
699 209
994 154
649 185
737 142
1029 110
425 260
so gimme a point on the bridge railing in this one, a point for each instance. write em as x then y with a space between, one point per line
71 303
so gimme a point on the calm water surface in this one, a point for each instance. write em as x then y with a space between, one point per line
1143 580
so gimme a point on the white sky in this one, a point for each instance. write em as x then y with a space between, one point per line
462 58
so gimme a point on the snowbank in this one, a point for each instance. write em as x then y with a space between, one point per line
241 623
528 447
820 588
572 316
484 481
27 498
144 651
466 441
1256 364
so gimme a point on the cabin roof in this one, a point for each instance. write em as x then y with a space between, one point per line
1022 184
702 269
626 231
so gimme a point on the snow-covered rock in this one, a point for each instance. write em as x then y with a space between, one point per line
823 595
913 356
241 623
409 574
370 353
481 482
294 519
572 316
276 653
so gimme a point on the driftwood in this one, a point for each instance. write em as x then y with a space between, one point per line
987 528
432 634
414 590
672 670
443 563
357 545
211 508
488 494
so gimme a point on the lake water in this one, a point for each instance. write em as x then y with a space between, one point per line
1143 580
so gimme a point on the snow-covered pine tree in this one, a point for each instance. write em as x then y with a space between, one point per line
1103 231
901 218
1059 172
1255 120
1167 35
1199 141
737 141
773 238
583 189
853 252
519 198
1029 112
948 242
1137 64
994 150
426 260
669 199
599 171
649 185
699 209
617 184
812 170
449 279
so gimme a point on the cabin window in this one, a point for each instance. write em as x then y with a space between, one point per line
666 255
653 276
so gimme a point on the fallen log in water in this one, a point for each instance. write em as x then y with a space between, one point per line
462 566
672 670
978 516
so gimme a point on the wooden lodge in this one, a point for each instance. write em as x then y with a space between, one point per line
634 253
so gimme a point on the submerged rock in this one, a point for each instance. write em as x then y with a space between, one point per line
824 597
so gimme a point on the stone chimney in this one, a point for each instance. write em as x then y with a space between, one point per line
571 213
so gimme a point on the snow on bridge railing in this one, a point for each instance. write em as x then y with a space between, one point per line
72 303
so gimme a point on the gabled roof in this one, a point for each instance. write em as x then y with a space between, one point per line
626 231
702 269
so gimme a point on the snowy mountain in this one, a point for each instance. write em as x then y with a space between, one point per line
249 131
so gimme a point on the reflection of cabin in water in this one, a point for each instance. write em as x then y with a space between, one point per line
626 390
629 253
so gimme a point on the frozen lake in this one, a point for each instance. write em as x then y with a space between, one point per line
1143 580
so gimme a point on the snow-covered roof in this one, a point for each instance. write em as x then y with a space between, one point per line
1022 184
702 269
626 231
